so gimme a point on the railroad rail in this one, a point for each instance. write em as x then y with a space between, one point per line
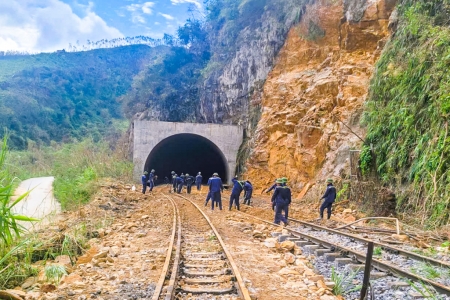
201 263
305 239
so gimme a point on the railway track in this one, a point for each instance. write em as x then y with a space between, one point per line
333 244
198 265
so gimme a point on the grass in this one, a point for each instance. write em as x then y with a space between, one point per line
343 283
377 251
54 273
427 270
424 290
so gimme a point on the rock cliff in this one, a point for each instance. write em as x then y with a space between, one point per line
313 97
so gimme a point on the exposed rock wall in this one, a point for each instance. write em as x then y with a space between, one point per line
226 92
319 83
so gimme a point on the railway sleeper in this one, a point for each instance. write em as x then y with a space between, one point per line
203 266
204 258
197 290
208 280
199 273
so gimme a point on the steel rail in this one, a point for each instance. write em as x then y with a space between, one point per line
390 248
240 283
377 264
162 278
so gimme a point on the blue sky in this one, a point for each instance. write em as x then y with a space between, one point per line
49 25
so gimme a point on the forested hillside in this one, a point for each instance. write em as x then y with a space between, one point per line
408 109
65 96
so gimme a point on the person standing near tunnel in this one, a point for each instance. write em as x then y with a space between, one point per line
180 183
215 187
174 181
189 180
198 181
248 190
151 179
144 180
235 193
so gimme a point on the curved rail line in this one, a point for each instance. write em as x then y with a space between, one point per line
172 284
377 264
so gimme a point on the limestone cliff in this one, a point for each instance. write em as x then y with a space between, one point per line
313 97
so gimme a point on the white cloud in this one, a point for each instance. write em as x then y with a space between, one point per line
195 2
139 10
167 17
48 25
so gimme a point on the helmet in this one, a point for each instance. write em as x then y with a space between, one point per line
329 180
173 172
279 180
199 173
145 172
215 174
153 171
285 180
187 174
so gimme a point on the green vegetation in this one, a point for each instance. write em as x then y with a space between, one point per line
54 273
408 109
67 96
343 283
377 251
76 168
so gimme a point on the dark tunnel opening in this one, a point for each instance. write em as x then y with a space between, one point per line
187 153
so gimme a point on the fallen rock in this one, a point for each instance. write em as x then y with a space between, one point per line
347 211
47 288
400 237
287 245
270 242
28 283
6 294
258 234
287 271
289 257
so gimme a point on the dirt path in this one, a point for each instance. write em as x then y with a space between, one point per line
40 202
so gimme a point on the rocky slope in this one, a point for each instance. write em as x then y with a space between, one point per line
313 97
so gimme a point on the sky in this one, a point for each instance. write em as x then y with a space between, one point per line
50 25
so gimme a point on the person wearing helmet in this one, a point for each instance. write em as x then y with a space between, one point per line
281 198
189 180
151 179
248 190
235 192
329 198
144 180
180 183
174 181
198 181
215 187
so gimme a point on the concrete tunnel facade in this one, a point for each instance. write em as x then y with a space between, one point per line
186 148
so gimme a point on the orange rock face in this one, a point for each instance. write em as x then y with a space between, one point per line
319 84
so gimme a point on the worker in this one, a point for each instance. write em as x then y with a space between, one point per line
208 196
272 187
179 183
329 197
235 192
286 208
144 180
151 179
216 187
174 181
280 199
248 190
198 181
189 180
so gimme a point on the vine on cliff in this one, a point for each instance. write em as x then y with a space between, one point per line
408 109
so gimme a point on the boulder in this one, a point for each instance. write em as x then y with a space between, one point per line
289 257
287 245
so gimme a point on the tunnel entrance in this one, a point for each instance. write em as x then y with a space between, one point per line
187 153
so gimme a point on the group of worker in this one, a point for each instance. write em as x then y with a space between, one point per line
281 198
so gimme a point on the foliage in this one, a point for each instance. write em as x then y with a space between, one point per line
365 160
9 228
54 273
76 168
377 251
66 96
408 108
343 283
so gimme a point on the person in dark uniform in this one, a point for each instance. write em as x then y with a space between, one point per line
166 180
280 199
215 187
180 183
208 196
272 187
189 180
329 198
235 193
144 180
174 181
151 179
286 209
248 190
198 181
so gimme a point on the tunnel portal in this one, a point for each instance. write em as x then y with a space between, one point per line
186 147
186 153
